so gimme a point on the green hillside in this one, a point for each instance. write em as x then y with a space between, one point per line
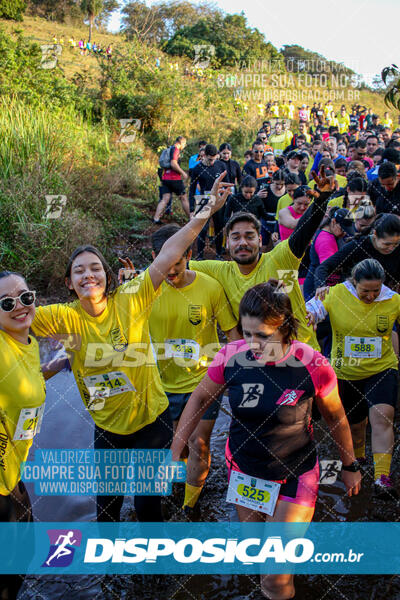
61 135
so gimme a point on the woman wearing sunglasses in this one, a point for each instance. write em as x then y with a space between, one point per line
22 395
114 365
272 381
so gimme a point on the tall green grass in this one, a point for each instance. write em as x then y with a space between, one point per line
48 141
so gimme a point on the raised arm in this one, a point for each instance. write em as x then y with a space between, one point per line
344 258
174 248
308 224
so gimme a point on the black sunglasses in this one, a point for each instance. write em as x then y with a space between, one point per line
8 304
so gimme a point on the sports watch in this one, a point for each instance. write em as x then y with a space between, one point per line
353 467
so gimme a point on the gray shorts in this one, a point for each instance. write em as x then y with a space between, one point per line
177 403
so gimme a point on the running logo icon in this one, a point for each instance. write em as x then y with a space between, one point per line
62 547
252 393
290 397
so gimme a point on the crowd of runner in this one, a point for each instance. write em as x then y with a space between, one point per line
85 47
294 318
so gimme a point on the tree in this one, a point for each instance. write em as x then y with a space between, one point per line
159 22
97 11
232 41
300 60
60 11
12 9
391 80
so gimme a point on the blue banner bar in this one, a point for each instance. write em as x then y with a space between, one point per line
199 548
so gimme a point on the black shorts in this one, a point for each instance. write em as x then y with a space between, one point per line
358 396
172 186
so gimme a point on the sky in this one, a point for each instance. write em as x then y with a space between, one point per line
363 34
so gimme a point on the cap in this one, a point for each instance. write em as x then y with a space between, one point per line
342 218
293 154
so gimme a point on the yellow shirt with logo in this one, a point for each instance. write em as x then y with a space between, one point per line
387 123
183 329
22 388
281 264
361 329
113 362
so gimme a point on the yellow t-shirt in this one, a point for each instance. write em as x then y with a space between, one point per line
362 333
336 202
278 142
333 122
328 109
280 263
290 111
113 362
283 202
22 388
344 122
275 110
387 123
183 329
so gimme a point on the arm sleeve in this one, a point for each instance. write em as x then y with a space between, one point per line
308 225
316 307
238 173
192 189
47 320
316 162
222 310
216 370
345 258
228 210
323 375
325 246
247 170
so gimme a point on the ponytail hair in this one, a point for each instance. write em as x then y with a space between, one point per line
369 269
270 304
328 218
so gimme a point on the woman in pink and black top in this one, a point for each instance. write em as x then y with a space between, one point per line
270 438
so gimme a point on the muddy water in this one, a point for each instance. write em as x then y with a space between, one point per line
67 425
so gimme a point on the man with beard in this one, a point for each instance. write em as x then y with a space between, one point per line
249 266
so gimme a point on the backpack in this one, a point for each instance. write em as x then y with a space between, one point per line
165 161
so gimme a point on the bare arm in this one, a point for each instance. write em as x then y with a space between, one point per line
175 247
175 166
286 219
202 397
331 408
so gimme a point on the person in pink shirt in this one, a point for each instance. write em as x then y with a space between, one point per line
336 225
289 216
